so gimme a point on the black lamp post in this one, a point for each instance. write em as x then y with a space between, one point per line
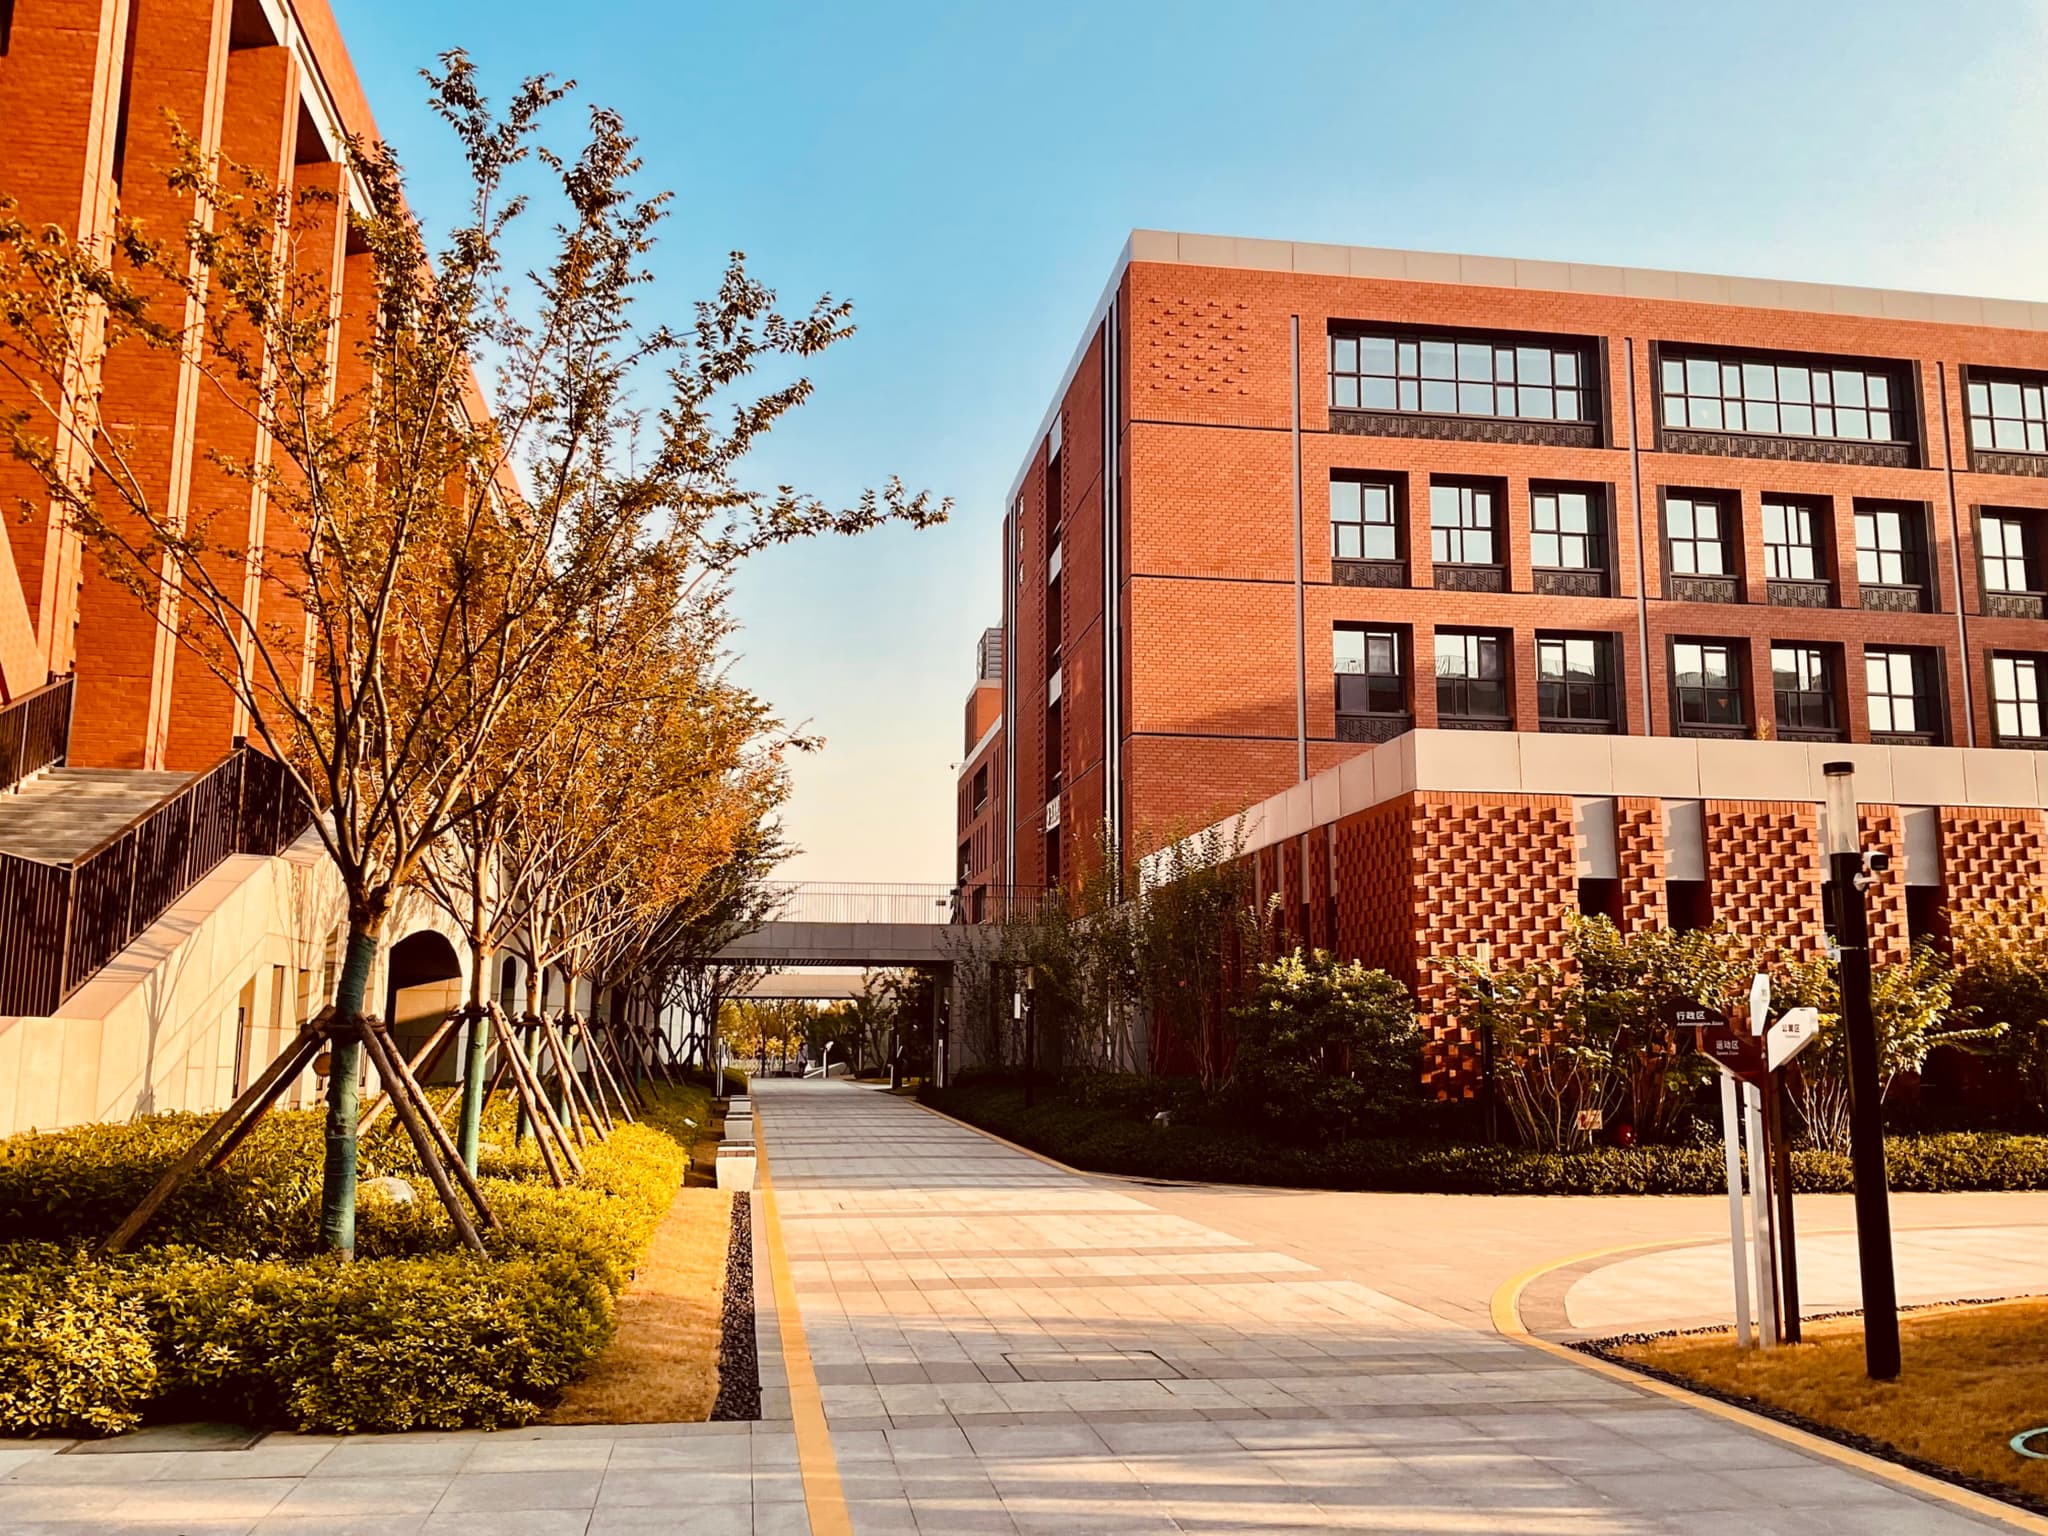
1846 864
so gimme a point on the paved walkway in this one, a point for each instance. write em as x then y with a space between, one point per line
1001 1346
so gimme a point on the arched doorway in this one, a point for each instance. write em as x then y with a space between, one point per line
425 986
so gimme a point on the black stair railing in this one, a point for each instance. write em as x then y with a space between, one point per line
65 922
35 731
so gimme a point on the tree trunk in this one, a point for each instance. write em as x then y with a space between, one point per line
338 1172
477 1059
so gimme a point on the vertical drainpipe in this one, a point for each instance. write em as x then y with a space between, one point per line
1955 555
1013 526
1300 594
1112 638
1635 491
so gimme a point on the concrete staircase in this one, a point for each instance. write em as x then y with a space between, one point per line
63 812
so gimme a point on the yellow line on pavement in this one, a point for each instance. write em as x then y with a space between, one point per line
824 1498
1507 1322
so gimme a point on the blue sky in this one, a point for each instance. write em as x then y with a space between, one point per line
966 174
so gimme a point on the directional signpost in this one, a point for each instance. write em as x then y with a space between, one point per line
1749 1060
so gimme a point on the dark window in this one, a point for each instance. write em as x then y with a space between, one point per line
980 789
2011 556
1052 856
2008 414
1052 751
2016 696
966 861
1888 546
1689 904
1804 683
1696 530
1362 525
1371 679
1792 548
1565 530
1904 693
1446 377
1707 676
1461 525
1758 395
1575 679
1471 675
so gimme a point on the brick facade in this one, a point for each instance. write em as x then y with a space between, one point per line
88 89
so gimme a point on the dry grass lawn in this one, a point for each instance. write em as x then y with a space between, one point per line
1973 1378
662 1367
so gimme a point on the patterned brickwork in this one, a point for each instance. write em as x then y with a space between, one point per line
1376 917
1489 869
1321 920
1884 831
1639 861
1763 871
1291 926
1989 855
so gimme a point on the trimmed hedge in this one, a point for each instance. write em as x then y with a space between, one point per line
238 1318
1105 1141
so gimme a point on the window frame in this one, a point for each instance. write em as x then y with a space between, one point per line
1460 685
1400 676
1593 538
2026 523
1605 682
1925 669
1913 543
1735 686
1742 368
1399 359
1828 692
1814 511
2036 665
1394 524
1496 496
1728 514
2031 399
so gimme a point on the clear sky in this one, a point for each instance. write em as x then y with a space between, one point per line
967 173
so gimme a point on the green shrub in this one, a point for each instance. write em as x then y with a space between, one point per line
1108 1142
238 1318
1325 1048
76 1354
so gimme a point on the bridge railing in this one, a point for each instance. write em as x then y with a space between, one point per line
826 901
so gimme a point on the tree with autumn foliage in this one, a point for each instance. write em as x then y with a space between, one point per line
427 546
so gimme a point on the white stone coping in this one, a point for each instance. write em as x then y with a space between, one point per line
1654 767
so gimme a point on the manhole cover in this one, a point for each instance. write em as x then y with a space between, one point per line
171 1437
1100 1365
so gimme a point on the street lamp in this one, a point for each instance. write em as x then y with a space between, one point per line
1850 869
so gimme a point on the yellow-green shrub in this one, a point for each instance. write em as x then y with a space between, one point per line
75 1353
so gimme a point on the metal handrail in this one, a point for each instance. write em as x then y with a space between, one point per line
27 749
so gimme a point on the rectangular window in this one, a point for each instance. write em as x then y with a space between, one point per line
1565 527
1707 678
1362 525
1904 694
1471 675
1792 548
2006 413
966 861
1461 524
1441 375
2016 696
1371 679
1763 396
1805 687
1696 533
1889 545
2010 558
980 789
1575 680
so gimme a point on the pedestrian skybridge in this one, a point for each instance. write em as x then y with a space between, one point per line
854 927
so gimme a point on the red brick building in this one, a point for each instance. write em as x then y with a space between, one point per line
89 92
1294 501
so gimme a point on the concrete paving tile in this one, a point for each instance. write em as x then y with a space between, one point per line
694 1520
371 1458
199 1500
386 1524
510 1522
543 1455
396 1494
60 1501
781 1520
485 1491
